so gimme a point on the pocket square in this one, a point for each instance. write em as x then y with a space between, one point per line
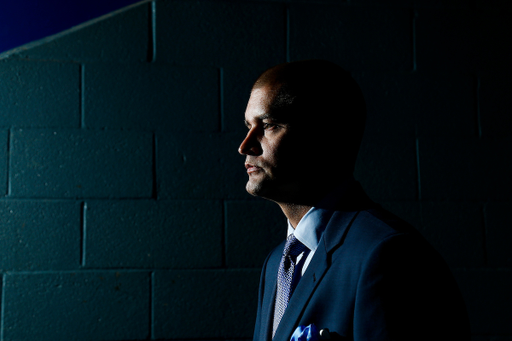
312 333
306 333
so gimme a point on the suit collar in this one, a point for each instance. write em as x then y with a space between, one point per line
353 200
313 224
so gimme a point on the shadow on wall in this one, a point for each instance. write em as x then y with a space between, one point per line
124 214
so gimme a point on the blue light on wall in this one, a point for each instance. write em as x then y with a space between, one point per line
27 20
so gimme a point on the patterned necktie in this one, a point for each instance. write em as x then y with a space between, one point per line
285 277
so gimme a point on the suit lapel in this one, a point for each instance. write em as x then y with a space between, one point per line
334 234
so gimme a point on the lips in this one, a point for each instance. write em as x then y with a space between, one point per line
252 168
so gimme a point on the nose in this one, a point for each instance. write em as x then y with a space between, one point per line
250 145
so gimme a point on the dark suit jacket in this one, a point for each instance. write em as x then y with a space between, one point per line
373 277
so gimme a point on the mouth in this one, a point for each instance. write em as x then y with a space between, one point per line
252 168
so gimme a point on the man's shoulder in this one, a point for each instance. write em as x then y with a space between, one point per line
377 239
373 226
380 223
355 213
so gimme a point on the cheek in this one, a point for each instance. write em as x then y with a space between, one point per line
284 153
271 153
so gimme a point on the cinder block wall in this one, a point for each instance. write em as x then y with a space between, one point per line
123 210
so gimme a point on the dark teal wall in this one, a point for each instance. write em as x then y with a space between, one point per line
123 210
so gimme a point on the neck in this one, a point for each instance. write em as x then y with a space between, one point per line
294 209
294 212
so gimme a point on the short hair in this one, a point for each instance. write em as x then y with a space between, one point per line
320 91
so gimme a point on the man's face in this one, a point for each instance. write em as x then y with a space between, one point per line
273 151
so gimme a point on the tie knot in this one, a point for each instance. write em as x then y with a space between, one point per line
293 247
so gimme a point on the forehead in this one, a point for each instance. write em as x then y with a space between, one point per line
258 105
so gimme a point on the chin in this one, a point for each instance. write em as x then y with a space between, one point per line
258 188
264 191
253 188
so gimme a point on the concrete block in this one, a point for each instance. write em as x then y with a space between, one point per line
4 159
501 338
95 305
221 33
151 96
254 228
401 104
496 106
487 296
158 234
465 169
410 211
446 4
356 38
498 233
456 231
204 304
445 40
80 163
463 39
496 4
39 94
122 35
39 235
387 168
398 3
200 166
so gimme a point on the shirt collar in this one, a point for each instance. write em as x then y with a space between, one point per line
311 226
313 223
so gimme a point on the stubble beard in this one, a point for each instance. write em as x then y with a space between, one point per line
256 187
270 188
263 185
296 190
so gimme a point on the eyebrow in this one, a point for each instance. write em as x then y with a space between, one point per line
265 116
261 118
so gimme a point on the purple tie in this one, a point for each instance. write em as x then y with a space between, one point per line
285 275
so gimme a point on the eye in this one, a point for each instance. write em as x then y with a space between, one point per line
270 126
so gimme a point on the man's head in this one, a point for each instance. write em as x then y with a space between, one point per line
306 121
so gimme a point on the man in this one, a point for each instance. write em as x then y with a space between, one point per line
347 265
